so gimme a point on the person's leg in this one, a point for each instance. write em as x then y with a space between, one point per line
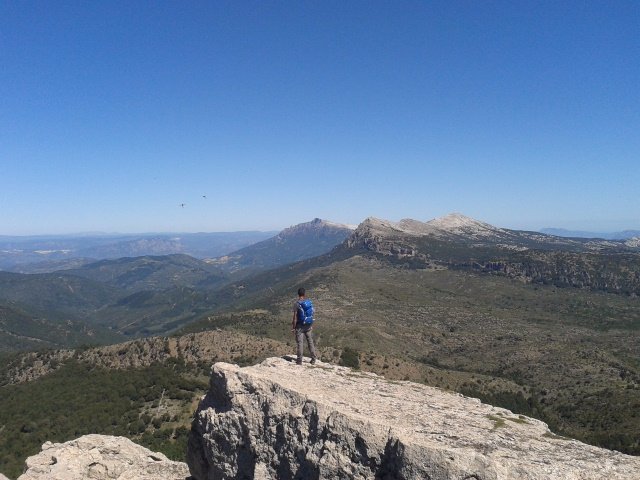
300 342
312 348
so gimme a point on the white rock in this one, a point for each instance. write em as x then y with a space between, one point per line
633 242
101 457
278 420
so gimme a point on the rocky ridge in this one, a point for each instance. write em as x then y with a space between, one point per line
463 229
207 347
460 242
406 238
280 421
453 224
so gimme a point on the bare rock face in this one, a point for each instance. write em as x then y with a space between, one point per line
2 477
101 457
281 421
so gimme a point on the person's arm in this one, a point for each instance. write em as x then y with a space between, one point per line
294 320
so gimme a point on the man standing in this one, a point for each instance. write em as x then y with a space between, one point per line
302 324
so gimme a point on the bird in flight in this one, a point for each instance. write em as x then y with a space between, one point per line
182 205
204 196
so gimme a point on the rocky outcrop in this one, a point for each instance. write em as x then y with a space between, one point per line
277 420
385 238
2 477
101 457
633 242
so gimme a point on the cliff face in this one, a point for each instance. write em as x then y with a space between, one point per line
281 421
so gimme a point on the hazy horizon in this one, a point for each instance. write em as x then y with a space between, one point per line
278 229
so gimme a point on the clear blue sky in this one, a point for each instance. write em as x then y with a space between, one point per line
522 114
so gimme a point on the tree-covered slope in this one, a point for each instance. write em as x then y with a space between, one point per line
150 273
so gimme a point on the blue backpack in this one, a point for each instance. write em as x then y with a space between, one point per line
305 312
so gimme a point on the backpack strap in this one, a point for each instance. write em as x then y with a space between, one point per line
300 316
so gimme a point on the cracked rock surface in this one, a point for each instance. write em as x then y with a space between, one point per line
101 457
278 420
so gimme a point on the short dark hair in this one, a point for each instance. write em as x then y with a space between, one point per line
301 292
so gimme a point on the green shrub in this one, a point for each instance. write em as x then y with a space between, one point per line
76 400
350 358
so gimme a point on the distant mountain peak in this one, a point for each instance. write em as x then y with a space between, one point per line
295 243
378 222
458 223
315 224
451 224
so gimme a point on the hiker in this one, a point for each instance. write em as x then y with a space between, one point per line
302 324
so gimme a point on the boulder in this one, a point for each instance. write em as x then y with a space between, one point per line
101 457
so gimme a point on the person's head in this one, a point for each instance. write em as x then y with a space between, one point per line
301 292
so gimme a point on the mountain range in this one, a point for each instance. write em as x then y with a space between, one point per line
459 229
42 254
562 232
145 295
544 325
148 291
150 295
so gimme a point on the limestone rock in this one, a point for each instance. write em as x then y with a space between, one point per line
101 457
281 421
2 477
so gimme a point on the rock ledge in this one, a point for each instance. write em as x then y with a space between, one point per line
281 421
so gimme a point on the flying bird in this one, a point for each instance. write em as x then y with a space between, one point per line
182 205
204 196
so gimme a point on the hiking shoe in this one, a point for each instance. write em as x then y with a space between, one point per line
313 361
298 362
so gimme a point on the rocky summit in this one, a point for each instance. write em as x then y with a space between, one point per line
277 420
101 457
